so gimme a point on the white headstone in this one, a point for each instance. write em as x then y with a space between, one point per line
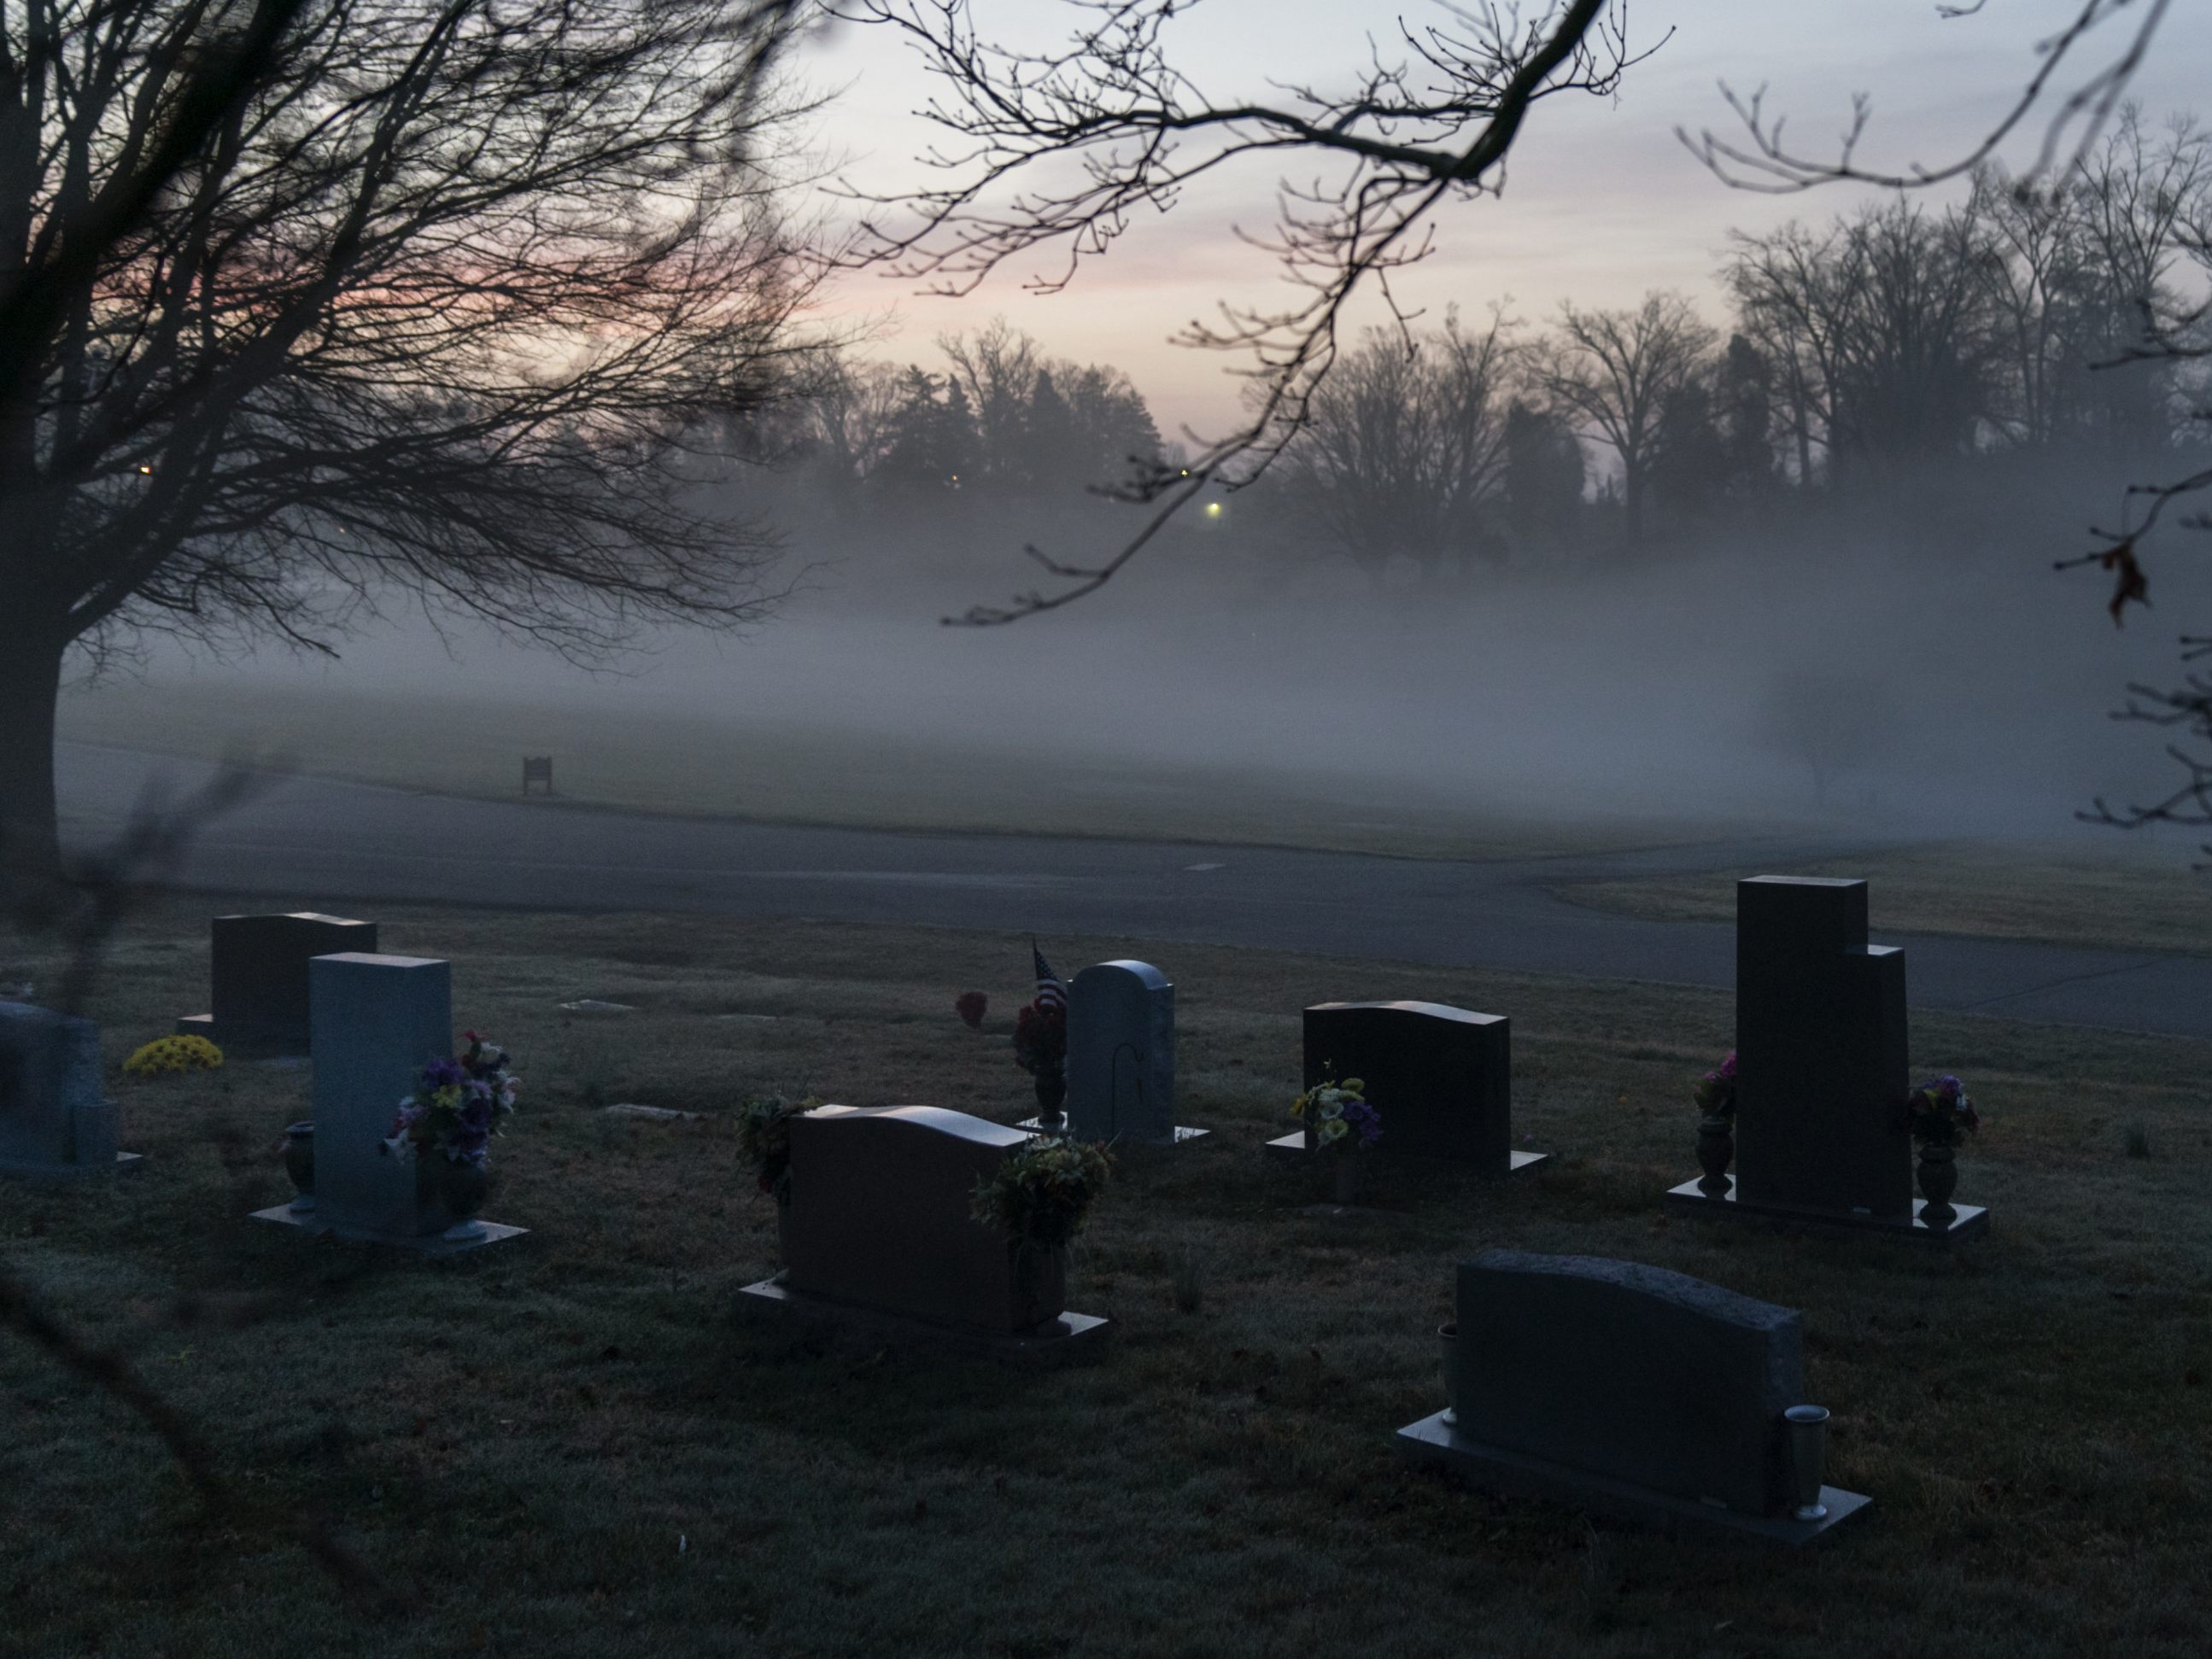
54 1122
1120 1054
378 1021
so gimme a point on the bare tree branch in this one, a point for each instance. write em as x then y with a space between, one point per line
1763 162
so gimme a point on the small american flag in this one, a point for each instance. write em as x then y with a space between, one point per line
1050 993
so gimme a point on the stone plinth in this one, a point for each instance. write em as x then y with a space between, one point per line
259 978
1624 1388
1440 1077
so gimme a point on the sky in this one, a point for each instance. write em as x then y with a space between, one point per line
1601 203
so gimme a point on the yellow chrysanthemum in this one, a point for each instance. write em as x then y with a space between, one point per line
174 1054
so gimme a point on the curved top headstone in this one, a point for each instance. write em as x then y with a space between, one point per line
1631 1372
49 1075
1425 1010
1121 1053
880 1200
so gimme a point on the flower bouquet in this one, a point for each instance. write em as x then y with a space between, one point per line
1716 1097
456 1109
1338 1117
1042 1194
764 1139
1041 1037
445 1129
1939 1112
1716 1090
1036 1199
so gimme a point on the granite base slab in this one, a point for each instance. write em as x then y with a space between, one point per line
1294 1147
1435 1442
61 1174
1973 1221
494 1233
1081 1339
242 1041
1183 1133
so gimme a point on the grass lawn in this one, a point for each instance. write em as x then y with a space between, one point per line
2134 898
569 1446
777 770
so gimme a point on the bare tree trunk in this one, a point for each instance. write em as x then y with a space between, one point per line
30 687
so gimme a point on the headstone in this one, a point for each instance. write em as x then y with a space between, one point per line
378 1020
1121 1055
1440 1077
1626 1390
55 1122
1821 1065
878 1221
259 976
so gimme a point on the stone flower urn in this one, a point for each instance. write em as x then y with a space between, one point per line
1715 1152
1448 1340
299 1164
1051 1092
448 1193
1344 1175
1939 1179
1040 1282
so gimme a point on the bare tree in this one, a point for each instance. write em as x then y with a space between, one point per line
433 306
1109 124
1616 373
1403 448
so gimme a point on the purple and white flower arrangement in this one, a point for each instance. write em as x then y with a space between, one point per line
1338 1116
1939 1112
457 1107
1715 1091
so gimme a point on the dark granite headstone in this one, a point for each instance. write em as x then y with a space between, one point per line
55 1122
879 1214
1820 1068
259 976
1625 1388
1440 1077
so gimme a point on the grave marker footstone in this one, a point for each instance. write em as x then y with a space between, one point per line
1121 1056
258 978
1442 1077
1627 1391
56 1123
379 1020
1821 1068
878 1234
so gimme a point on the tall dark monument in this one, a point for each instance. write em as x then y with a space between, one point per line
1821 1067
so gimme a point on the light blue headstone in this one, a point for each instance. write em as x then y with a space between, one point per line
54 1120
1120 1054
376 1022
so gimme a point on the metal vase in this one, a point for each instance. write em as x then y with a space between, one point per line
1448 1340
1809 1458
299 1164
1939 1179
1051 1092
1716 1150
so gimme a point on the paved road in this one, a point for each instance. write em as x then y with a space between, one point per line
316 840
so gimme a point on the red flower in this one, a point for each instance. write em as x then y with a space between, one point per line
970 1006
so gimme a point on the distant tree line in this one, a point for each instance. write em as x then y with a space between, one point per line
1862 361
